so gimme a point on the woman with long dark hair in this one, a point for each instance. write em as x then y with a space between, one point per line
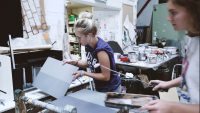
183 15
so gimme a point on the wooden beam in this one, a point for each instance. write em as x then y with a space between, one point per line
143 7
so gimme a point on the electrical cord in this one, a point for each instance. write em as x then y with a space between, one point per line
98 64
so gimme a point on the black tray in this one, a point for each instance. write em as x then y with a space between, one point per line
131 101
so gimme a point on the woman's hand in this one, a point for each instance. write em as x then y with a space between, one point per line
159 84
78 74
73 62
158 106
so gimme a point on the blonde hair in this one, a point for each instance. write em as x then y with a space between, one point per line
85 15
86 26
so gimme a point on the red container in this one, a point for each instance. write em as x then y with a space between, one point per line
124 59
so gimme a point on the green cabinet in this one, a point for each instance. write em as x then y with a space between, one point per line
162 27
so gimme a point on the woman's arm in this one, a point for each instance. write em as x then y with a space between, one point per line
185 108
159 106
166 84
105 73
81 63
176 82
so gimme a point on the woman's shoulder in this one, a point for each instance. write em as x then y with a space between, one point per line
102 45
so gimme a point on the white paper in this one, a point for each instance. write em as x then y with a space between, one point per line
6 82
36 42
130 27
54 78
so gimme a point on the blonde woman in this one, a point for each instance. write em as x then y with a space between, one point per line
97 52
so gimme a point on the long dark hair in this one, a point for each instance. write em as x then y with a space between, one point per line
193 8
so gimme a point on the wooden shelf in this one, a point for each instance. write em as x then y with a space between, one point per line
75 51
74 42
72 33
71 23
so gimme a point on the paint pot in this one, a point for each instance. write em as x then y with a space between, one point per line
133 56
152 59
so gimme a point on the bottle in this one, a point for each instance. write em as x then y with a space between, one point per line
155 35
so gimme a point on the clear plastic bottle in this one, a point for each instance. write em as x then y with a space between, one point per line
155 35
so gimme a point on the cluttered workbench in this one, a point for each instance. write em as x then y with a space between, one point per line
82 101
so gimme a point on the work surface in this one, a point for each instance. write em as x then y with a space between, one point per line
86 101
145 65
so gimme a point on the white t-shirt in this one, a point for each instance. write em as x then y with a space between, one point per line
192 73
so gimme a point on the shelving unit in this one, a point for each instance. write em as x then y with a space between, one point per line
75 9
74 45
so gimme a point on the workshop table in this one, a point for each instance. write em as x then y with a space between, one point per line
145 65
